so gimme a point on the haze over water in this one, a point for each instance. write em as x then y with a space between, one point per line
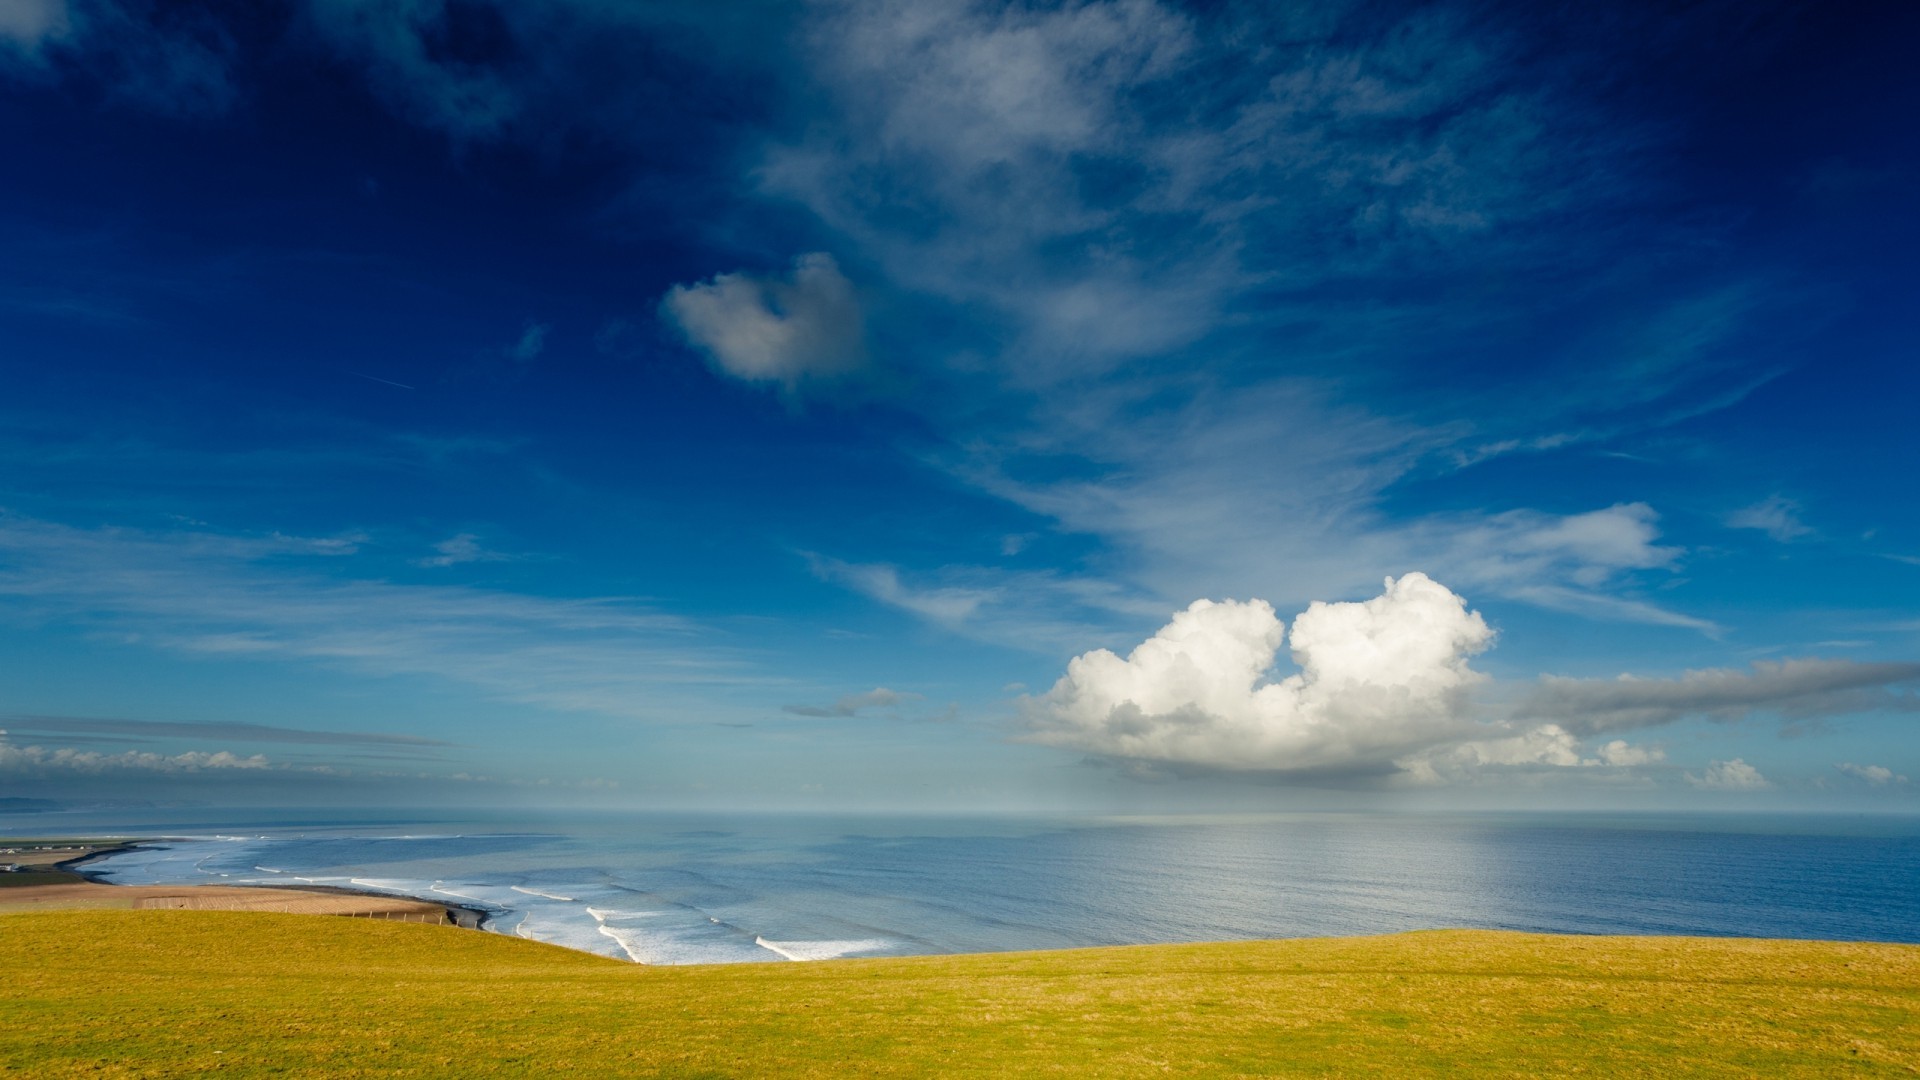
700 889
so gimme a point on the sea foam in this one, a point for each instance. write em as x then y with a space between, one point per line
822 950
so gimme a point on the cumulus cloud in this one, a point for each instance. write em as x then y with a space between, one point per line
1378 679
39 759
1876 775
1620 752
1777 516
804 326
1385 689
1735 775
850 704
1546 748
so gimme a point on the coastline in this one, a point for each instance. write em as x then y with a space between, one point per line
679 890
73 884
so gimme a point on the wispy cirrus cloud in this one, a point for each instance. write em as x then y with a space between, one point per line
459 549
27 25
1192 411
1776 515
851 704
179 63
70 771
229 731
1792 688
1039 611
1166 236
234 597
1026 159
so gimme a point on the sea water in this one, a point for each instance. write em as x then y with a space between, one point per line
675 889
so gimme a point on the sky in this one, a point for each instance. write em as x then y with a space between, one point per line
1111 406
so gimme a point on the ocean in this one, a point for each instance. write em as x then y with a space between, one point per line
684 889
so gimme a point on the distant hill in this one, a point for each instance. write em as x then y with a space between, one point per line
15 805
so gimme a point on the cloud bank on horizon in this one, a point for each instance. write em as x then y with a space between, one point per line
1385 689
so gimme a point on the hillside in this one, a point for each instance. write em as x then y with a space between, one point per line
178 993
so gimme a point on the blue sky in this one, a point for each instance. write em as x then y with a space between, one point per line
785 405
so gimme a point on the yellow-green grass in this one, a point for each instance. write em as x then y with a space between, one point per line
178 993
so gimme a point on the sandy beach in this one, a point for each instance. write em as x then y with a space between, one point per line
49 878
89 894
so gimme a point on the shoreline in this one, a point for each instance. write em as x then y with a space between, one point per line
84 880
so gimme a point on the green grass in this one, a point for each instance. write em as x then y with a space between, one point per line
177 993
39 877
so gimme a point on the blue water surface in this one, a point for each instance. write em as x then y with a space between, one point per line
697 889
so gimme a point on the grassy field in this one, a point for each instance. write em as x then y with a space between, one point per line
37 862
178 993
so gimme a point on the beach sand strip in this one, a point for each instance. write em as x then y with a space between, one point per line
88 894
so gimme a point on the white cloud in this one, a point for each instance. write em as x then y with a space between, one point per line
1876 775
1274 491
1735 775
952 161
1620 752
1777 516
1597 605
1545 748
180 63
27 24
1028 158
1564 563
458 549
1385 690
1021 163
1596 543
804 326
1378 679
1035 610
403 46
39 759
881 582
278 597
1547 745
532 342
